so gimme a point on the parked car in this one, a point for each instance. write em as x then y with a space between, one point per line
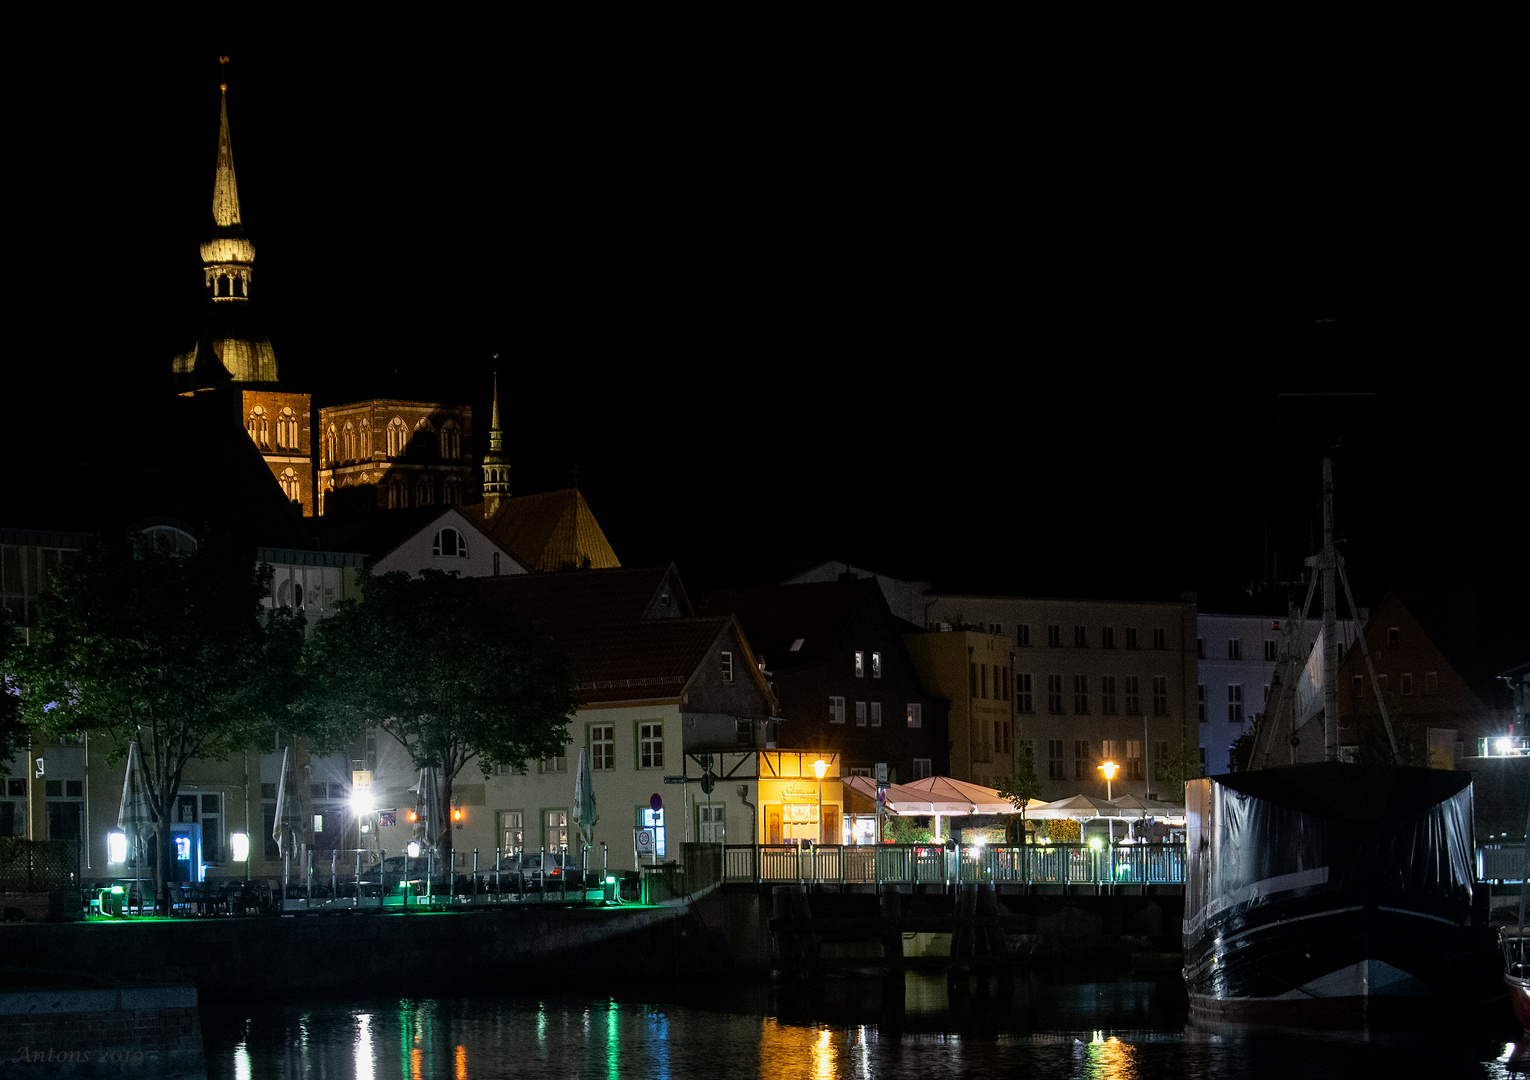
533 871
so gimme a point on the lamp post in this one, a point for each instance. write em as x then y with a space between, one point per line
1109 769
819 768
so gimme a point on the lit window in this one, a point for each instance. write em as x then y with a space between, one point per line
860 665
876 665
915 714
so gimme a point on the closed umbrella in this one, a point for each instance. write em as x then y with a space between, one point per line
134 817
585 814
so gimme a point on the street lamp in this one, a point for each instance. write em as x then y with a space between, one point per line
1109 769
820 767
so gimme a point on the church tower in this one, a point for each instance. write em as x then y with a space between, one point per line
496 466
232 358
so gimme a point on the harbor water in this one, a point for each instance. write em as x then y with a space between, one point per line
1109 1027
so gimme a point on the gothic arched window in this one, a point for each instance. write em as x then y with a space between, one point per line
256 425
451 491
398 493
424 492
329 445
398 437
451 441
450 542
287 430
290 487
348 442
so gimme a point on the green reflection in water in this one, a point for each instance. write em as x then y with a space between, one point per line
613 1056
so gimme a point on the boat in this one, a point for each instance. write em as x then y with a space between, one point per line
1330 894
1321 892
1516 958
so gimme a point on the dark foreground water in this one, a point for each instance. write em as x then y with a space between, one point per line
1115 1028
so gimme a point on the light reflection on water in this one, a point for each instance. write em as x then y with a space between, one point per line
1114 1029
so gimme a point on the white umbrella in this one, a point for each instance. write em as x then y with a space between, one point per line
134 815
585 814
289 808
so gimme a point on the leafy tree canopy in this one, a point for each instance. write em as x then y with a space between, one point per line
175 651
450 674
13 732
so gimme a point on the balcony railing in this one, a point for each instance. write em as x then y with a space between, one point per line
922 864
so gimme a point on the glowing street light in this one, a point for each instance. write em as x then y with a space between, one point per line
1109 769
820 767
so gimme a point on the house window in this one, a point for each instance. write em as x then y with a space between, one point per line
1054 695
876 714
555 830
727 666
1108 695
1160 695
602 747
1234 703
1131 637
1054 636
860 665
860 714
512 831
1055 760
1357 686
1431 682
1391 637
1081 694
1234 648
1133 697
915 714
1134 759
1023 692
876 665
450 543
1161 759
1081 759
1381 684
709 822
983 680
556 764
836 710
212 827
1271 649
1200 648
971 679
1107 637
921 768
1200 701
651 745
1160 638
1023 634
649 818
1080 638
1406 684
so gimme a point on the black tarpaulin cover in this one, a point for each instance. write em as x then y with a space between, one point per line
1379 834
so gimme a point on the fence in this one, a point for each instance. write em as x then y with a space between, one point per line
914 864
1503 862
38 865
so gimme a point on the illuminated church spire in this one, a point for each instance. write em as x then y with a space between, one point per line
496 466
232 347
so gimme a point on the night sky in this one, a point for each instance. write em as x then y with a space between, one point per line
1002 320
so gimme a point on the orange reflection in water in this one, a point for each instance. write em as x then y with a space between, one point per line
461 1062
785 1049
1109 1059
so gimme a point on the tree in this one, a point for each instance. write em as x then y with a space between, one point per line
174 651
453 676
13 731
1022 787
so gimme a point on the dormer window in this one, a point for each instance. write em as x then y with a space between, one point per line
450 543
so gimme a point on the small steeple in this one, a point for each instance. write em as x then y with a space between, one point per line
496 466
227 257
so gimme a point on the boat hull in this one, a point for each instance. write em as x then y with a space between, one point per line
1331 895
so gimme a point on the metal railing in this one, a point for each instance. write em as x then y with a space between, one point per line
923 864
1503 862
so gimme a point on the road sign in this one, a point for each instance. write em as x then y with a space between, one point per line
708 782
676 780
656 802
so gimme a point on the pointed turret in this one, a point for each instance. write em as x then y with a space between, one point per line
496 466
232 347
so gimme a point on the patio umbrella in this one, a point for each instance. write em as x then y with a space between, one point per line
289 808
134 815
585 814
